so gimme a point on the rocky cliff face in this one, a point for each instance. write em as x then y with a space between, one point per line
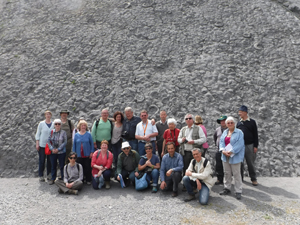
206 57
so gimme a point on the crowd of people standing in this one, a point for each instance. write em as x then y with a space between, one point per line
131 148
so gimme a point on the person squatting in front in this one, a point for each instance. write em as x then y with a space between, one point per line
198 175
73 176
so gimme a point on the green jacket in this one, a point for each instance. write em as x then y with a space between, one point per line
136 160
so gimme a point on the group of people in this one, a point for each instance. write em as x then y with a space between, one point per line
124 147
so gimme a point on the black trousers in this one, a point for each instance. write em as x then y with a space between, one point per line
173 181
87 169
219 167
188 156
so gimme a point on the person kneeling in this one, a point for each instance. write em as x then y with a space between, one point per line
171 170
198 175
73 176
127 167
149 164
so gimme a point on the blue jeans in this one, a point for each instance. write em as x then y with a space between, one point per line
61 161
42 158
106 176
203 193
153 176
116 150
133 144
141 148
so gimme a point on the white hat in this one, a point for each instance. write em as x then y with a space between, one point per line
125 145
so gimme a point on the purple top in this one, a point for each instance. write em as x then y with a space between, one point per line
205 145
227 140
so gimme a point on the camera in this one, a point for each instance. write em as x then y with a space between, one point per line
186 141
125 134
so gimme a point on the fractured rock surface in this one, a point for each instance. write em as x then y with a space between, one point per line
206 57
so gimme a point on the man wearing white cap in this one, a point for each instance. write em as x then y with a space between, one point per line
127 167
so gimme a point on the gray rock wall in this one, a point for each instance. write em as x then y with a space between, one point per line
206 57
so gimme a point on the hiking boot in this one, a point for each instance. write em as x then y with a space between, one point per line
60 191
88 183
42 179
174 194
50 182
190 198
107 184
73 192
238 196
225 192
154 189
254 183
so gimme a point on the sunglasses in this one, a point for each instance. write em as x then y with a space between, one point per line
57 124
72 158
188 118
148 148
126 148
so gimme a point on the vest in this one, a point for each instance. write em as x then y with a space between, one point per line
195 136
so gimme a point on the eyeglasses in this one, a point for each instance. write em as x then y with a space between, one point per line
188 118
72 158
230 122
57 124
143 115
126 148
147 148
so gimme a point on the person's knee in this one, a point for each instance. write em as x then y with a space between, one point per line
186 179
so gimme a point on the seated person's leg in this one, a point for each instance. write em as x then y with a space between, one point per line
155 175
189 184
203 194
176 178
95 182
106 175
77 185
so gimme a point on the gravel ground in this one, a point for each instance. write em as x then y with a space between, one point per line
27 201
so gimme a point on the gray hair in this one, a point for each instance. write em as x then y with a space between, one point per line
104 109
190 115
230 118
198 149
172 120
128 109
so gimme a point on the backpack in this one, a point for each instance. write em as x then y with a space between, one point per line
98 153
97 123
204 164
67 168
69 122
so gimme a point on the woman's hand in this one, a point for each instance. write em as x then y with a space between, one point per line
136 174
99 173
55 151
148 163
37 146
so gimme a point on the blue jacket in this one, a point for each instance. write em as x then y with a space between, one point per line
167 162
58 140
238 146
87 143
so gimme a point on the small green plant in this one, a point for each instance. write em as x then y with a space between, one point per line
74 109
267 217
73 81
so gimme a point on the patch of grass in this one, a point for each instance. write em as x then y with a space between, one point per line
267 217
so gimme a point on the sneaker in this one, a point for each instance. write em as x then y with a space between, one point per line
238 196
190 198
88 183
42 179
154 190
225 192
60 191
107 184
174 194
218 182
50 182
254 183
74 192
